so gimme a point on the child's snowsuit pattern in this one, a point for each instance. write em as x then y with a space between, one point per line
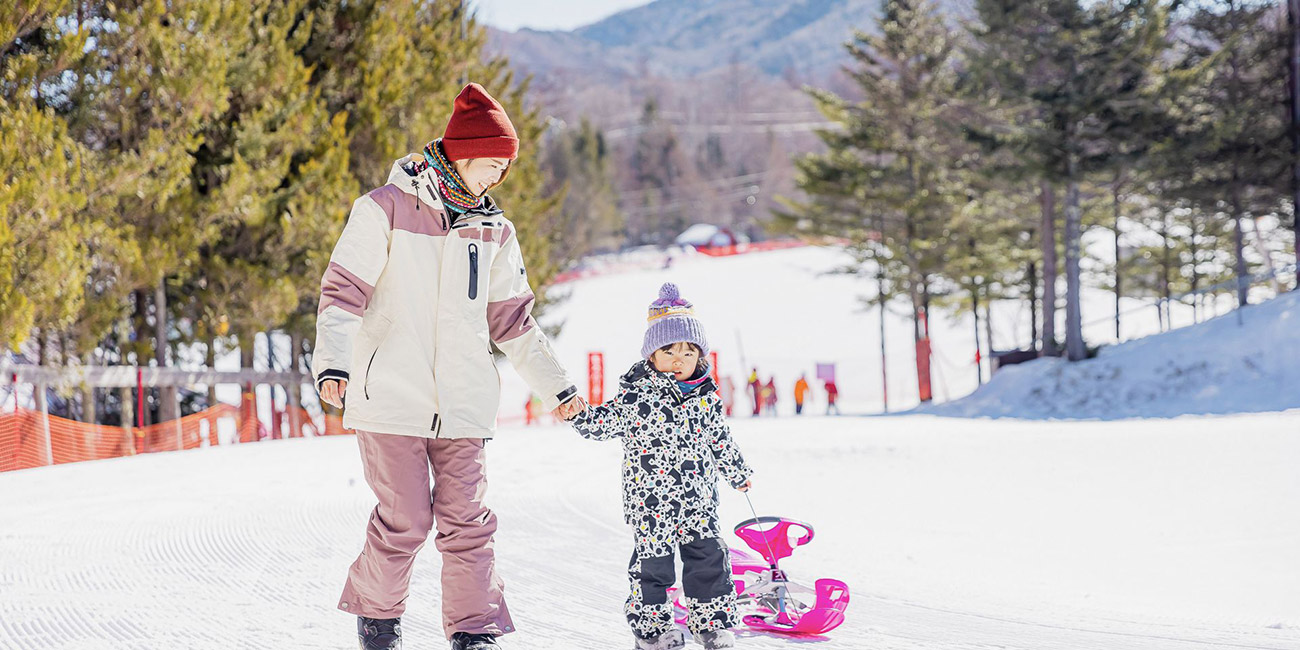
675 448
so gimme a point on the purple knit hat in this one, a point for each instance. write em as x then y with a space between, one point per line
672 320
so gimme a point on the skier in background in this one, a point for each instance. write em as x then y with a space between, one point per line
756 390
728 392
832 394
800 393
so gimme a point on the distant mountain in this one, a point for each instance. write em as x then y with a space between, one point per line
685 38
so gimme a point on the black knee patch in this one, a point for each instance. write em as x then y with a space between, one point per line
656 576
706 569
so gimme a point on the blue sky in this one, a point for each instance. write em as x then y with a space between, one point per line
548 14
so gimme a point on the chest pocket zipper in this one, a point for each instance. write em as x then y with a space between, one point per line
473 271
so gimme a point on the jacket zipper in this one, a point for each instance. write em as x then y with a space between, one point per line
366 387
473 271
445 225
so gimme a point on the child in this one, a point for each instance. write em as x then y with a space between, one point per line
676 445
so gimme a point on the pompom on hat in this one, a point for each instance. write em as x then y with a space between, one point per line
672 320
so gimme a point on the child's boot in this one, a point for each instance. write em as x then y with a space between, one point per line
670 640
712 639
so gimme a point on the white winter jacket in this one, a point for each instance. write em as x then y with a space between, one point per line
409 304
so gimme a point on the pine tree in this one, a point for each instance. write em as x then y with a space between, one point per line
1231 133
890 180
42 227
1067 76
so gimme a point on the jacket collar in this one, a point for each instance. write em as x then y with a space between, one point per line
414 176
644 376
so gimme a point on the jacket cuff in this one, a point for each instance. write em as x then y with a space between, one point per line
567 394
330 374
741 478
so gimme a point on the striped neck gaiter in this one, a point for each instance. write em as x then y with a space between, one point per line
450 185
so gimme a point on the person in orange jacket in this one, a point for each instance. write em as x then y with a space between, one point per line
800 393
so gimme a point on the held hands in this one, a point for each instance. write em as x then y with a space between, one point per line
570 409
331 392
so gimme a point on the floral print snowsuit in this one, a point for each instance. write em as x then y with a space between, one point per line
675 448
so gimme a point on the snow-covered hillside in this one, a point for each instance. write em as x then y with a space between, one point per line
954 534
1246 361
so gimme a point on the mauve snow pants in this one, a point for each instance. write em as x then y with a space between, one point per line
397 469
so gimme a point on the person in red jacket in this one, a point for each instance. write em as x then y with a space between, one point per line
832 394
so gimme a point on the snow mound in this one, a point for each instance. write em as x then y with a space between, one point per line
1237 363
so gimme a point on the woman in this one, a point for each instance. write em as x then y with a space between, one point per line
425 275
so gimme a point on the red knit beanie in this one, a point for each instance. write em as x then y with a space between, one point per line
479 128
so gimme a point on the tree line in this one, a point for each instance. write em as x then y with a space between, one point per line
974 155
175 173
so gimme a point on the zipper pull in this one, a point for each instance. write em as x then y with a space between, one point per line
416 185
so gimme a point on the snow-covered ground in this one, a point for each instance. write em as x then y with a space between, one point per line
952 533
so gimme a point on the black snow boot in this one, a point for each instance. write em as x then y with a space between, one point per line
379 633
467 641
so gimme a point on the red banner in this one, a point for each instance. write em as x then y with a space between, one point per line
923 369
595 377
713 368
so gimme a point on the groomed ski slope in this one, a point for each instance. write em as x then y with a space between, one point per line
953 534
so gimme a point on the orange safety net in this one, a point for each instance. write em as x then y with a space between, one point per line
24 444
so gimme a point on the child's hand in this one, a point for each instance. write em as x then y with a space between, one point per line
745 488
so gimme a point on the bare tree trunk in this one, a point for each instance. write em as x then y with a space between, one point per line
1239 244
1119 274
1165 263
988 331
975 311
89 408
1196 271
276 420
249 426
1074 345
211 362
294 404
1033 305
1234 97
128 419
1293 67
1049 270
141 324
168 407
42 357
